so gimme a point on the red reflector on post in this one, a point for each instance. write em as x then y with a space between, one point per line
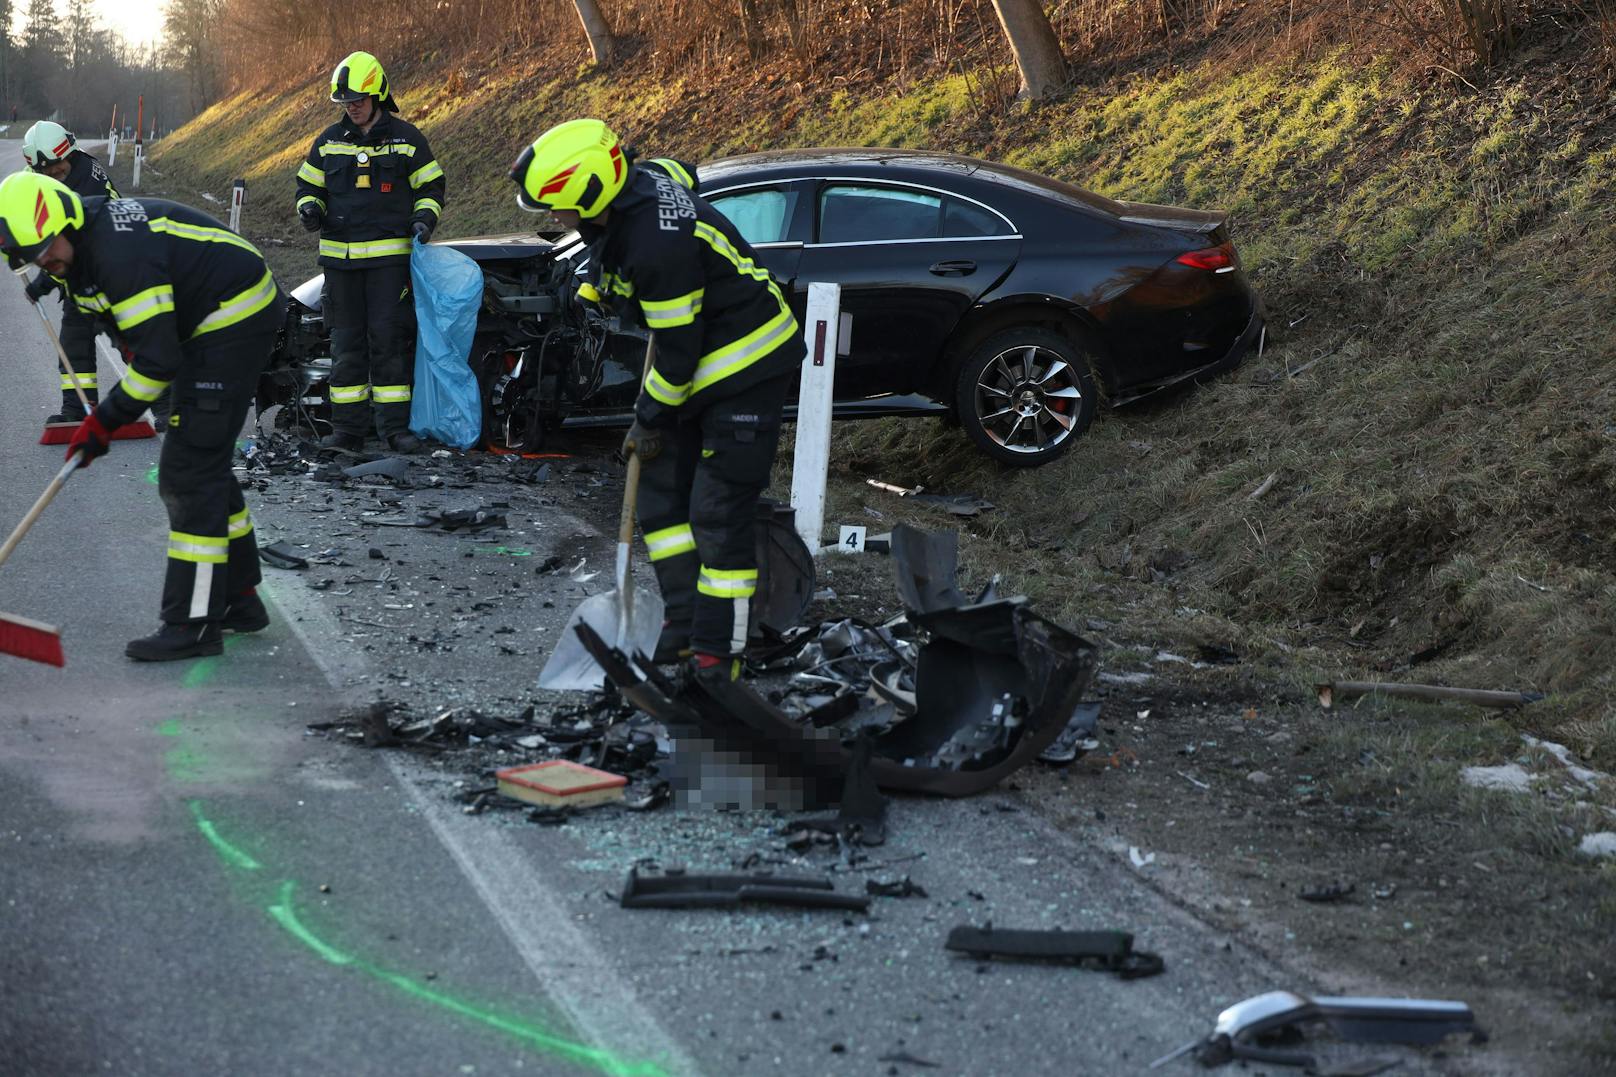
1213 258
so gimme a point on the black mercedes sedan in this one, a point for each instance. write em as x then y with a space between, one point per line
1002 296
1008 300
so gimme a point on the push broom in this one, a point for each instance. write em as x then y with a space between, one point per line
20 636
62 433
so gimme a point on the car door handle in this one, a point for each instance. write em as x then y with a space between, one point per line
960 268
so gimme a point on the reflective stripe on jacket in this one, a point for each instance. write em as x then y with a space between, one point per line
720 319
158 274
371 186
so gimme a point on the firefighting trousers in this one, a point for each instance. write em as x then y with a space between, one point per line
698 508
212 554
371 315
78 341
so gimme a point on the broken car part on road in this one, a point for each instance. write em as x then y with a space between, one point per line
1112 950
1247 1029
676 890
995 684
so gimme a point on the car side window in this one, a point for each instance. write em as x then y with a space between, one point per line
966 220
852 214
760 216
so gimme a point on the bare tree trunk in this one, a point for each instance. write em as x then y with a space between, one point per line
601 42
752 29
1036 48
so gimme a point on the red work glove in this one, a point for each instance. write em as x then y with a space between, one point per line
91 437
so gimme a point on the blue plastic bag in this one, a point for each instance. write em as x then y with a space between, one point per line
446 404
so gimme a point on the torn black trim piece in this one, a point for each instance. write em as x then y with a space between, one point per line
1112 950
677 890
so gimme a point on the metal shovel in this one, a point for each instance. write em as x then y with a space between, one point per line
629 616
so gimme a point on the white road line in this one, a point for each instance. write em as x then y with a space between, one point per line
569 968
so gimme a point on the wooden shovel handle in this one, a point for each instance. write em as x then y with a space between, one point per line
631 500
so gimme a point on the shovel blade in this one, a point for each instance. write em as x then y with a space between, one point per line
572 669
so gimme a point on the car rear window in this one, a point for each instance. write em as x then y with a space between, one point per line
850 214
760 216
964 220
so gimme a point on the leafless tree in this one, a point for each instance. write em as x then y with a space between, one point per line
601 42
1037 50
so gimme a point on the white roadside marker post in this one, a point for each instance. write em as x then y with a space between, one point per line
238 195
811 457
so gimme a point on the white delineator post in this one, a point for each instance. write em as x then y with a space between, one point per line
112 148
811 459
238 195
134 180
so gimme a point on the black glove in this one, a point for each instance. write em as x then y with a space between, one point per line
422 230
313 219
42 285
642 441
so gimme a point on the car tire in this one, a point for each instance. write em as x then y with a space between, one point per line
1025 395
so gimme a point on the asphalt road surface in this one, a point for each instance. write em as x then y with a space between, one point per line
190 883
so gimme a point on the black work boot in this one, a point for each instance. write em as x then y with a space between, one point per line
173 642
337 439
72 412
673 645
246 613
403 442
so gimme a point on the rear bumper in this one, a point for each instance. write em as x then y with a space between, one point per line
1253 334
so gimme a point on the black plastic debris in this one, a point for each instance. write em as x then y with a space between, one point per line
678 890
1111 951
956 504
1329 892
282 555
388 467
895 888
907 1059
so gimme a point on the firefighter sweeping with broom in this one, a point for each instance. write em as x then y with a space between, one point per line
197 309
50 149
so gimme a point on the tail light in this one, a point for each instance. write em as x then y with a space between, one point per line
1219 259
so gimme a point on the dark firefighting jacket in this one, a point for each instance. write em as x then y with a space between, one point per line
720 320
371 187
158 275
87 178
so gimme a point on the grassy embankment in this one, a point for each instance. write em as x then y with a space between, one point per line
1434 405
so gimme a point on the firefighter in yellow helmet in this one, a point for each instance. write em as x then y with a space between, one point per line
370 186
707 421
197 310
51 150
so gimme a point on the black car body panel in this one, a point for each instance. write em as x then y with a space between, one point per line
937 256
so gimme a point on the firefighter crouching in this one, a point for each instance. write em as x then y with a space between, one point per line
51 150
197 310
369 186
707 421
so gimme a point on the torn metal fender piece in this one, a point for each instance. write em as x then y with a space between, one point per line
1113 950
1361 1019
677 890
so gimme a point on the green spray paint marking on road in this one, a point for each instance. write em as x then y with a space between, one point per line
170 728
201 672
512 551
151 475
283 912
227 852
285 915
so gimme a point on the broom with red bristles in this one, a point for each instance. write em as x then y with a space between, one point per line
62 433
20 636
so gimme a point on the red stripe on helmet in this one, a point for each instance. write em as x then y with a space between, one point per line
41 212
557 181
62 147
617 163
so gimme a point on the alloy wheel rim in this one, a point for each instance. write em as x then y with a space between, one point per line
1028 399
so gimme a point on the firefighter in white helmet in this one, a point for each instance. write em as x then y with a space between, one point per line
51 150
